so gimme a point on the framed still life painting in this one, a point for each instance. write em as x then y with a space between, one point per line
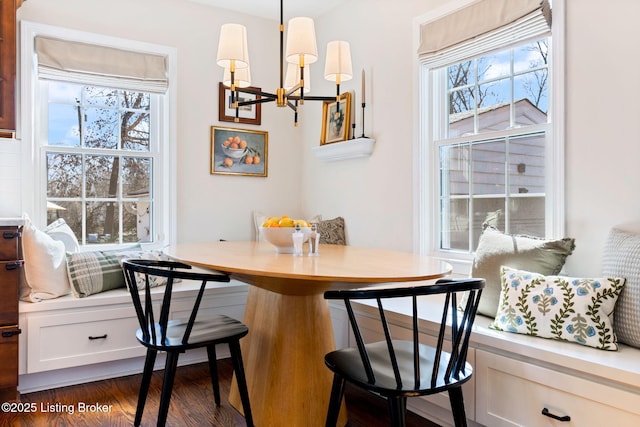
239 151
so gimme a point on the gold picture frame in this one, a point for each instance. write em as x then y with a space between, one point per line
336 124
239 151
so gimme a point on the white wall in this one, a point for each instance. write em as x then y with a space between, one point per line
602 146
375 194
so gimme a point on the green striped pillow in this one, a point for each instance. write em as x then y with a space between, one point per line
94 272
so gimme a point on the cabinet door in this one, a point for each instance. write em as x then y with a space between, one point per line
7 65
511 392
9 364
9 284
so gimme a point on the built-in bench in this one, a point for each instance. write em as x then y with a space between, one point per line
69 340
517 376
72 340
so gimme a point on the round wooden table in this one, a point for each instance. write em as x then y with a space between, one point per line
289 323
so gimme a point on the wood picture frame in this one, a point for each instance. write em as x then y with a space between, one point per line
250 114
336 124
249 157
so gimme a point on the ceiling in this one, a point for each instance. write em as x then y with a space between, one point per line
270 9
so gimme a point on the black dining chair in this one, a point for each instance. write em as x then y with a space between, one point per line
174 336
397 369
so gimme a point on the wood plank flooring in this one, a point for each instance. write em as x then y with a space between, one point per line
112 403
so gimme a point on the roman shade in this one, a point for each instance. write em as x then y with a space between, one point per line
483 24
100 65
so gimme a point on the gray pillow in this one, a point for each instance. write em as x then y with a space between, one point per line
622 258
520 252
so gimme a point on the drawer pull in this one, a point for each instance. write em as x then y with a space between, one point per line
101 337
13 265
12 332
10 234
546 413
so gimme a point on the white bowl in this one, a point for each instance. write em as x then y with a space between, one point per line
280 237
234 153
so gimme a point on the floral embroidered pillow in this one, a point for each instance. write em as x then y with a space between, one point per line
563 308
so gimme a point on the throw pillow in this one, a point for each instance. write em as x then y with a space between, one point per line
332 231
96 271
564 308
621 258
45 265
60 230
154 281
518 251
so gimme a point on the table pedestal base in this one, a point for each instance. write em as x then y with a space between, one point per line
289 384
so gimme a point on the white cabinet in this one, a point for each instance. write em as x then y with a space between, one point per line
512 392
63 340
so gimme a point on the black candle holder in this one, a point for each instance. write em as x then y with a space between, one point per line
364 104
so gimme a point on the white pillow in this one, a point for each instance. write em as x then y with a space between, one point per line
45 265
60 230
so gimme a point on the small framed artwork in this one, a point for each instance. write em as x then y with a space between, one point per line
249 114
239 151
336 123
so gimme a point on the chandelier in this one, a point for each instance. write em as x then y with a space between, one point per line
301 50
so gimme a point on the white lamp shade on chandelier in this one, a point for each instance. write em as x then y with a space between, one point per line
337 67
301 41
242 77
233 51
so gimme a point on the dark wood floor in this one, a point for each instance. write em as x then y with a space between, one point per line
112 403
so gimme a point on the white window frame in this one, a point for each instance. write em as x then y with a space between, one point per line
33 171
426 169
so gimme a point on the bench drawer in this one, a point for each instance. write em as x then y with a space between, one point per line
81 338
511 392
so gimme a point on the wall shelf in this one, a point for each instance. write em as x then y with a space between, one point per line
350 149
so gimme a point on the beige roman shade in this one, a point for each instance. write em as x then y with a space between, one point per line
486 22
100 65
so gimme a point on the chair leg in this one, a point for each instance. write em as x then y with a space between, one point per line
398 411
335 401
213 372
457 407
238 367
149 362
167 386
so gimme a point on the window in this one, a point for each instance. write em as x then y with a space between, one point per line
490 149
491 144
100 152
102 136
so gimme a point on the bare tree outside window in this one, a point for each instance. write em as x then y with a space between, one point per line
99 162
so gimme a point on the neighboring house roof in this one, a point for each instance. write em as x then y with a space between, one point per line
496 117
